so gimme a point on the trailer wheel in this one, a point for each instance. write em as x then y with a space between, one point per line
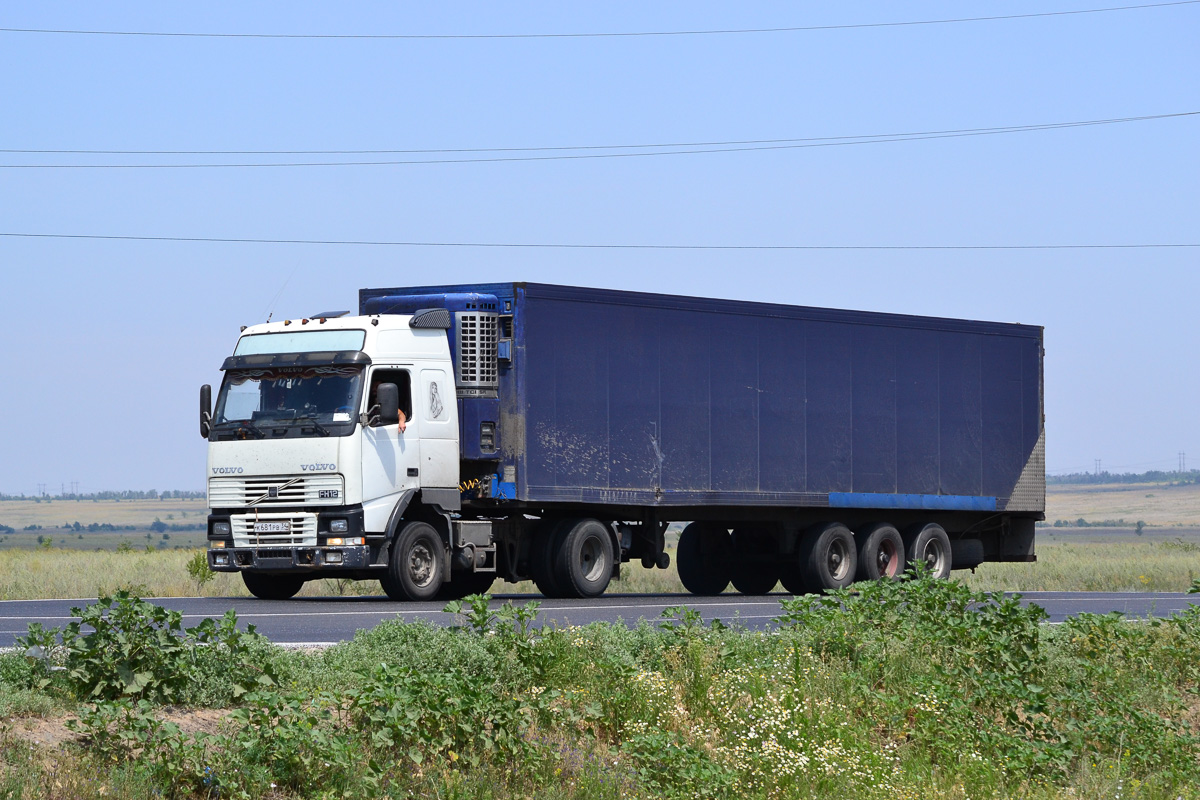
703 558
753 572
462 584
272 587
828 557
415 570
880 553
929 544
583 558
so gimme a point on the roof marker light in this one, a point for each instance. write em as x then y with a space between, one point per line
287 322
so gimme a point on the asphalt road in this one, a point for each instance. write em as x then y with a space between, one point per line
327 620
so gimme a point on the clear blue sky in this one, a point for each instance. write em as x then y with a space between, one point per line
105 343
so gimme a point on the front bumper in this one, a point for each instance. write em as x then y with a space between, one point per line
290 559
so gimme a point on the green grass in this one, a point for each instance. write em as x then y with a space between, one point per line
1088 560
910 690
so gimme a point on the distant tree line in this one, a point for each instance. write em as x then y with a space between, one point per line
1153 476
128 494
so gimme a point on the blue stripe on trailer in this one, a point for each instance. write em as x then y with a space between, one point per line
930 502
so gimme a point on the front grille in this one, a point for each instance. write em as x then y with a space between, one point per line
478 335
303 533
289 490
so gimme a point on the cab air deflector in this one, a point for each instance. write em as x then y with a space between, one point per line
344 358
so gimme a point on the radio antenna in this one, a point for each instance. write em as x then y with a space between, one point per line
275 299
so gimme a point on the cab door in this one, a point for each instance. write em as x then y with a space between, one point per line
391 459
437 408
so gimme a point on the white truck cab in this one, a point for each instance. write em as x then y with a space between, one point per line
323 429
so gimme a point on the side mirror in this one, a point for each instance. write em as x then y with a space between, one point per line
205 410
389 404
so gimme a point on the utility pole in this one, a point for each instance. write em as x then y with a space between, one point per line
1097 466
41 490
1182 461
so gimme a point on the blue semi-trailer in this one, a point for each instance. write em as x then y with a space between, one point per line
552 433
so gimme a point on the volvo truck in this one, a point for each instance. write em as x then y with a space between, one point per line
441 438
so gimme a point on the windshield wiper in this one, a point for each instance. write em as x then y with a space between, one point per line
242 424
318 427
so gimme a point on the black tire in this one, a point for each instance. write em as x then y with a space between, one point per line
416 569
792 577
703 558
828 557
462 584
880 553
541 557
929 544
272 587
583 558
753 572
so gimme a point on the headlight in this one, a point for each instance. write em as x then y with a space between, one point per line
221 529
338 526
221 559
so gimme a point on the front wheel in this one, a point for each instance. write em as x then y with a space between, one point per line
272 587
416 568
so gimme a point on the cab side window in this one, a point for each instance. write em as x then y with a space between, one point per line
403 382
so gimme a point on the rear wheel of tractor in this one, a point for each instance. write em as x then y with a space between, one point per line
928 545
880 553
828 557
753 571
541 557
416 569
272 587
703 558
463 584
583 561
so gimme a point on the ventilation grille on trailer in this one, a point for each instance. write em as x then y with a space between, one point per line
478 335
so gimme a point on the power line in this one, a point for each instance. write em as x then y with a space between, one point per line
593 246
747 146
598 35
866 136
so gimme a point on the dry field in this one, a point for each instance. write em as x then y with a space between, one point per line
139 513
1154 504
1165 558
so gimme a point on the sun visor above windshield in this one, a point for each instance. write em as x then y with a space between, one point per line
344 358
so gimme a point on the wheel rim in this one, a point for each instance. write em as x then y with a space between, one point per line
420 565
838 559
888 558
591 559
934 556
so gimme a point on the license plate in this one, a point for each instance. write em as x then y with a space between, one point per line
272 527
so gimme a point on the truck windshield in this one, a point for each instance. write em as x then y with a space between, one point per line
289 401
